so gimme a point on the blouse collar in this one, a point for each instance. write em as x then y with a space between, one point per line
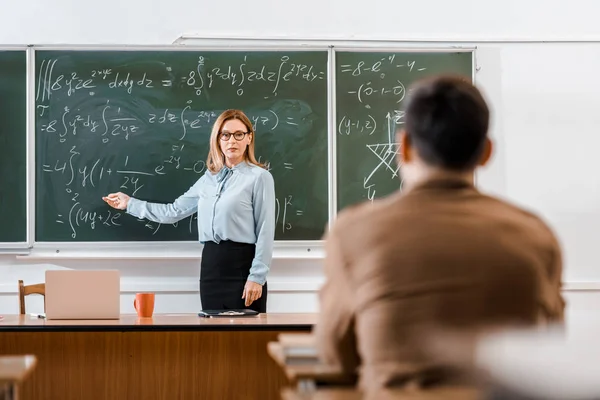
226 171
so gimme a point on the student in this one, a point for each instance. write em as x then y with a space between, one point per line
235 201
439 253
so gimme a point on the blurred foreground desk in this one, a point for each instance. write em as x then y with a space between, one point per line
13 371
443 393
169 356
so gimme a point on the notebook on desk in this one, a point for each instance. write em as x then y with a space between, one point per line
73 294
227 313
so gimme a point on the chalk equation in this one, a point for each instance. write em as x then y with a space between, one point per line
368 125
79 216
370 95
381 66
386 153
381 80
79 176
366 90
115 121
201 78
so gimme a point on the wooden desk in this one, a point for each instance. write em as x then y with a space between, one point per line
305 370
169 356
305 376
13 371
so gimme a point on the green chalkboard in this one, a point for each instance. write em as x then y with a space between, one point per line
370 89
13 146
139 122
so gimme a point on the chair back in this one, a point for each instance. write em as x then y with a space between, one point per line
26 290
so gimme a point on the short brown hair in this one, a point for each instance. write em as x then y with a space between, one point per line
447 121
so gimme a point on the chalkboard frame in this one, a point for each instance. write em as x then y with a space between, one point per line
375 49
21 247
192 249
171 249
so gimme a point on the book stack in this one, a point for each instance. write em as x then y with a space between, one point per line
298 349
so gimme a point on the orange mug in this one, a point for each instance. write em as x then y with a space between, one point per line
144 304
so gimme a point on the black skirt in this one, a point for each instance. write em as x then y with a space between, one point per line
223 273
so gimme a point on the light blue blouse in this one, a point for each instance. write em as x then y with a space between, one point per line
235 204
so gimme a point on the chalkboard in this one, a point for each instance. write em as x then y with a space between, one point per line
139 122
370 89
13 146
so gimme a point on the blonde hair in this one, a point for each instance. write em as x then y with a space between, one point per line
216 158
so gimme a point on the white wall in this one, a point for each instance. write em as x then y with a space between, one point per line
292 284
544 97
160 22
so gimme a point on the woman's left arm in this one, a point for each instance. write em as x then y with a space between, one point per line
264 227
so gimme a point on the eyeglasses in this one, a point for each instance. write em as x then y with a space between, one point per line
238 135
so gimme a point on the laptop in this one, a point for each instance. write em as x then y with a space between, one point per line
73 294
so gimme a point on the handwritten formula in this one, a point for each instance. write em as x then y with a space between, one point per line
371 89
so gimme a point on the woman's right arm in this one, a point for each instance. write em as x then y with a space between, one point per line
184 206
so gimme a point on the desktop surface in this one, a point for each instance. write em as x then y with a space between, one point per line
164 322
169 356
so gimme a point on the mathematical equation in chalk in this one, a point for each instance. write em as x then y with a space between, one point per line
368 124
367 90
381 66
114 122
78 217
236 76
81 174
379 80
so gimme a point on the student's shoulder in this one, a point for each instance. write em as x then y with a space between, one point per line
511 208
350 215
526 218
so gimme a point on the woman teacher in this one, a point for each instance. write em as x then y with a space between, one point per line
235 201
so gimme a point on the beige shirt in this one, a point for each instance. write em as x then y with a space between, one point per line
441 253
